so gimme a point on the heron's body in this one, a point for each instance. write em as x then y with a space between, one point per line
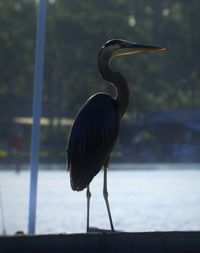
96 127
92 139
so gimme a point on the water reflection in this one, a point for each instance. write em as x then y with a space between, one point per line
144 197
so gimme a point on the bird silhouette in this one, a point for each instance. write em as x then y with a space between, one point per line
96 127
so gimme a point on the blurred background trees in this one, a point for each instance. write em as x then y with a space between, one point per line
75 31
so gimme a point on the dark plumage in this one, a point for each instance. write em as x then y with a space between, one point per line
92 139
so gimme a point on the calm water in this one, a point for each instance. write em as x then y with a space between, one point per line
142 198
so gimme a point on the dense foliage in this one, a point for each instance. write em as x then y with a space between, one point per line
75 31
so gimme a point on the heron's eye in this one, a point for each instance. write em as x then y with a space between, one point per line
120 44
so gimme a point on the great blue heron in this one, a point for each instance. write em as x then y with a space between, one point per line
96 127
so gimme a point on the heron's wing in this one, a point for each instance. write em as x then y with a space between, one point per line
92 138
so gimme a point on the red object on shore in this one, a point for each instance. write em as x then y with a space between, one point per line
16 142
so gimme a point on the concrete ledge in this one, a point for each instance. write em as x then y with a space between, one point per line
162 242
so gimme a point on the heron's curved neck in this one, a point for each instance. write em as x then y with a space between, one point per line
122 96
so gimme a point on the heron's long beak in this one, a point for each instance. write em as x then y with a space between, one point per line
133 48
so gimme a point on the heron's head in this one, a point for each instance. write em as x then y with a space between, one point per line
118 47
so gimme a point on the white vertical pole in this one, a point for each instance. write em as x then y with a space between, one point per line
37 101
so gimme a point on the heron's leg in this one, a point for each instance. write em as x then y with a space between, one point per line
88 195
105 194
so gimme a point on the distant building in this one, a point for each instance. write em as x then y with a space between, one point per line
165 136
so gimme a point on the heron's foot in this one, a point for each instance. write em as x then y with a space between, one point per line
101 230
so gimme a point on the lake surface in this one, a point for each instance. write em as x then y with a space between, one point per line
145 197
